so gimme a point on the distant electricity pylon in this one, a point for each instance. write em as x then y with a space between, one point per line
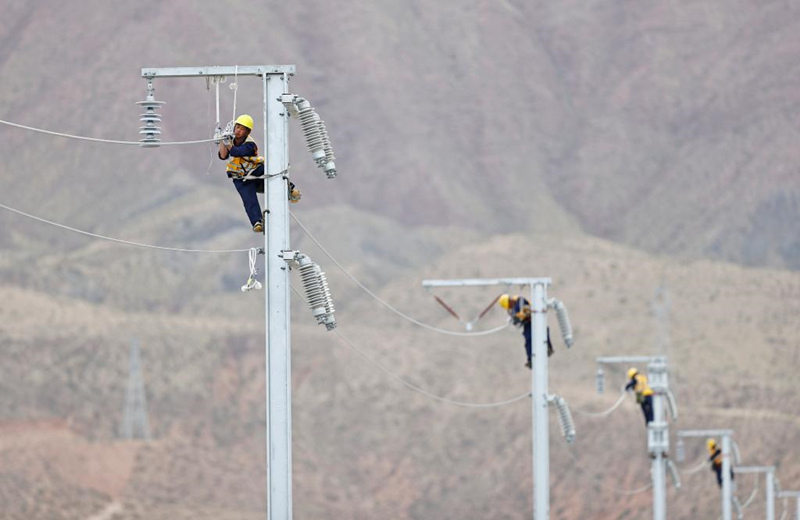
728 498
657 429
541 398
135 424
769 485
795 495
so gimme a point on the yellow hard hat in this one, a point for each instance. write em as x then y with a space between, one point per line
632 372
246 121
504 301
711 443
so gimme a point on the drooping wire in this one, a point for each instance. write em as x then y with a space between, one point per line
98 140
606 412
412 386
386 304
120 241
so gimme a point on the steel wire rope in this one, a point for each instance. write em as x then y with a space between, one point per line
118 240
605 412
97 139
386 304
414 387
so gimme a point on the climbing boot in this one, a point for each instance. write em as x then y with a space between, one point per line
258 227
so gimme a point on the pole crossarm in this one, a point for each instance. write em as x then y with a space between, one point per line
789 494
704 433
247 70
479 282
754 469
613 360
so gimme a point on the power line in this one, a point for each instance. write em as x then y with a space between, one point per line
120 241
383 302
98 140
413 386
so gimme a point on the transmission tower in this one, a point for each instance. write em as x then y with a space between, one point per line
795 495
769 485
540 304
658 429
278 105
135 424
727 485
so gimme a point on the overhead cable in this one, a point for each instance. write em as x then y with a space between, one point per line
386 304
120 241
98 140
606 412
425 392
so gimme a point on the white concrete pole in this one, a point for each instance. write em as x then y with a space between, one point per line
770 495
727 489
658 437
541 432
279 360
797 509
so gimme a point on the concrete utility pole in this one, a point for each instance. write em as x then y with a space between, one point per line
657 430
727 488
539 376
769 485
795 495
275 82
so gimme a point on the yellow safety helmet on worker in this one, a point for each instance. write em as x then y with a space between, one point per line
505 301
711 444
246 121
632 372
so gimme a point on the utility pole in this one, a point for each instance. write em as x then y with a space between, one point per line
795 495
727 487
275 83
657 430
135 424
769 485
539 375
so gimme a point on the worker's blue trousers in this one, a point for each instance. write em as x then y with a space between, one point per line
526 333
248 191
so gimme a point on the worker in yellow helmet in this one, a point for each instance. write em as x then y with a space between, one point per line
246 168
519 311
715 458
644 394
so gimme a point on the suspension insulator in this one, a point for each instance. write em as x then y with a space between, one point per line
565 419
150 132
563 323
600 378
318 294
673 472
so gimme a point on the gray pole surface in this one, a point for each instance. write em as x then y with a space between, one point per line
541 433
279 362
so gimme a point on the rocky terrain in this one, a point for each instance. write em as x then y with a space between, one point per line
616 147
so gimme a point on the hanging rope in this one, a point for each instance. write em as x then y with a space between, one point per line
252 283
235 88
699 467
384 303
117 240
97 140
606 412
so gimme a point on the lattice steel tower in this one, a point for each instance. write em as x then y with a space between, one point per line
135 424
